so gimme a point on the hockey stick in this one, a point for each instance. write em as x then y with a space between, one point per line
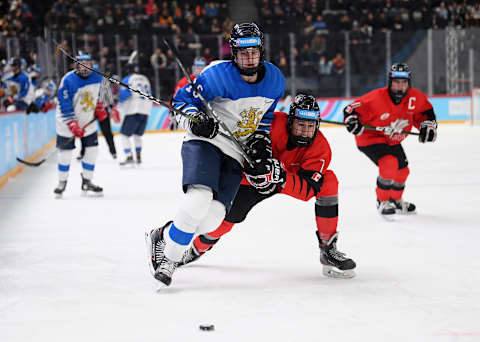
207 106
35 164
385 130
114 80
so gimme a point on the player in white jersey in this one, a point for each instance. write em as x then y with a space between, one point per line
241 92
135 110
77 105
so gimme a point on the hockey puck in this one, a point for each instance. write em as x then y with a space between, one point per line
207 327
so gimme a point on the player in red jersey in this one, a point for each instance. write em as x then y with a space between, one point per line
293 162
397 107
199 63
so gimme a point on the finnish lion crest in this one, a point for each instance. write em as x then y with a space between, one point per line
250 118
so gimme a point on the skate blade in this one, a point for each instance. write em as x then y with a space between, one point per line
401 212
333 272
388 217
148 242
92 194
58 196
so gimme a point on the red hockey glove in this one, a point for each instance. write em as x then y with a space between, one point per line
47 106
115 114
100 111
8 101
76 129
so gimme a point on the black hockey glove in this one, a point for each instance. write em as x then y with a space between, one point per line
428 131
353 125
266 175
205 126
259 146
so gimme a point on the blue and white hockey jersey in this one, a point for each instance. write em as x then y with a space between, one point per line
132 103
77 99
20 87
243 107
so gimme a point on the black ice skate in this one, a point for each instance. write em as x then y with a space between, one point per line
403 207
90 189
189 256
128 161
385 208
160 266
335 263
139 157
60 189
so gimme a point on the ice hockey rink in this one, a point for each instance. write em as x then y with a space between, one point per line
75 269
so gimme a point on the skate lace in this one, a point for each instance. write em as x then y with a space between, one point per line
167 266
159 247
336 253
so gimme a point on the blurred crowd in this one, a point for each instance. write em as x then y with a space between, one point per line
162 17
336 15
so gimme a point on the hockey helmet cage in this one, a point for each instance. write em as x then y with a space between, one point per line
305 108
80 70
398 71
244 36
199 63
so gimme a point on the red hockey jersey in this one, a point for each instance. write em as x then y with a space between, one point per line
377 109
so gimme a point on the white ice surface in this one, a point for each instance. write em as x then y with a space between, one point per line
75 269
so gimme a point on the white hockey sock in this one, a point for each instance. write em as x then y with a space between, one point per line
64 159
192 212
214 218
127 147
137 141
88 161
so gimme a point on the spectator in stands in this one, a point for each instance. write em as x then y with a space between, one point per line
207 55
158 59
324 67
338 64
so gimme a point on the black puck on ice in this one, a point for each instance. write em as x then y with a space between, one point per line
207 327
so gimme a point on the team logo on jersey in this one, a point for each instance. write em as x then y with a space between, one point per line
396 127
316 176
87 101
248 124
384 116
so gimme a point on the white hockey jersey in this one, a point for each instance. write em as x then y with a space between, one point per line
132 103
243 107
77 99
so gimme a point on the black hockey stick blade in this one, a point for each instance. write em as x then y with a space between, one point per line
34 164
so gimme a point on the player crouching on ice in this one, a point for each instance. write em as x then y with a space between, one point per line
295 163
395 108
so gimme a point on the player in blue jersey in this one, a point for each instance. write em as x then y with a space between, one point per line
18 87
77 105
135 110
243 93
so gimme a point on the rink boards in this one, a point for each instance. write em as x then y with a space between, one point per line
24 136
